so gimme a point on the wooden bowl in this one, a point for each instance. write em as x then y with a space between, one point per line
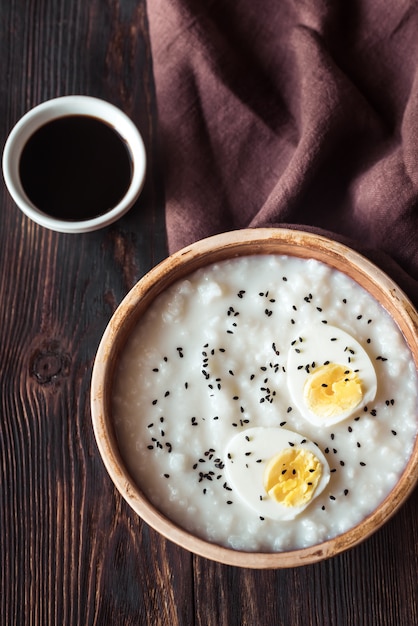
177 266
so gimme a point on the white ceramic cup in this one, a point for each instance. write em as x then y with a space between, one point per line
61 107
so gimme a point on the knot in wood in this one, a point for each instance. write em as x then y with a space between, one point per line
49 364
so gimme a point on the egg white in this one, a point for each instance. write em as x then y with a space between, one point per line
316 345
246 456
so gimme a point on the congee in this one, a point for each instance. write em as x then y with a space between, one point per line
266 403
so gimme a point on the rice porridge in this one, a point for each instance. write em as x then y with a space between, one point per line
266 403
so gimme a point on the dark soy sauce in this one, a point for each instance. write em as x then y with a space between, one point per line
75 168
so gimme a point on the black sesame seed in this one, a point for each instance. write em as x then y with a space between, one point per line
332 497
362 463
394 432
150 447
345 492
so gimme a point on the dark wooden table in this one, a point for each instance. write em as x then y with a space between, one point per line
71 551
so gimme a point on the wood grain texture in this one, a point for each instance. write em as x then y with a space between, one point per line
71 550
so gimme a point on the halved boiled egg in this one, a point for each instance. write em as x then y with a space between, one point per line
275 471
329 375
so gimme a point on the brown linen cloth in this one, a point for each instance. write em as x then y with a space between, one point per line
295 113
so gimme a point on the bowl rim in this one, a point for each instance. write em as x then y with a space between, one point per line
284 241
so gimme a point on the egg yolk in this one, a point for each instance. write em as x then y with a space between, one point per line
292 476
332 389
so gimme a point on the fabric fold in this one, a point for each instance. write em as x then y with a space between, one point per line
300 114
